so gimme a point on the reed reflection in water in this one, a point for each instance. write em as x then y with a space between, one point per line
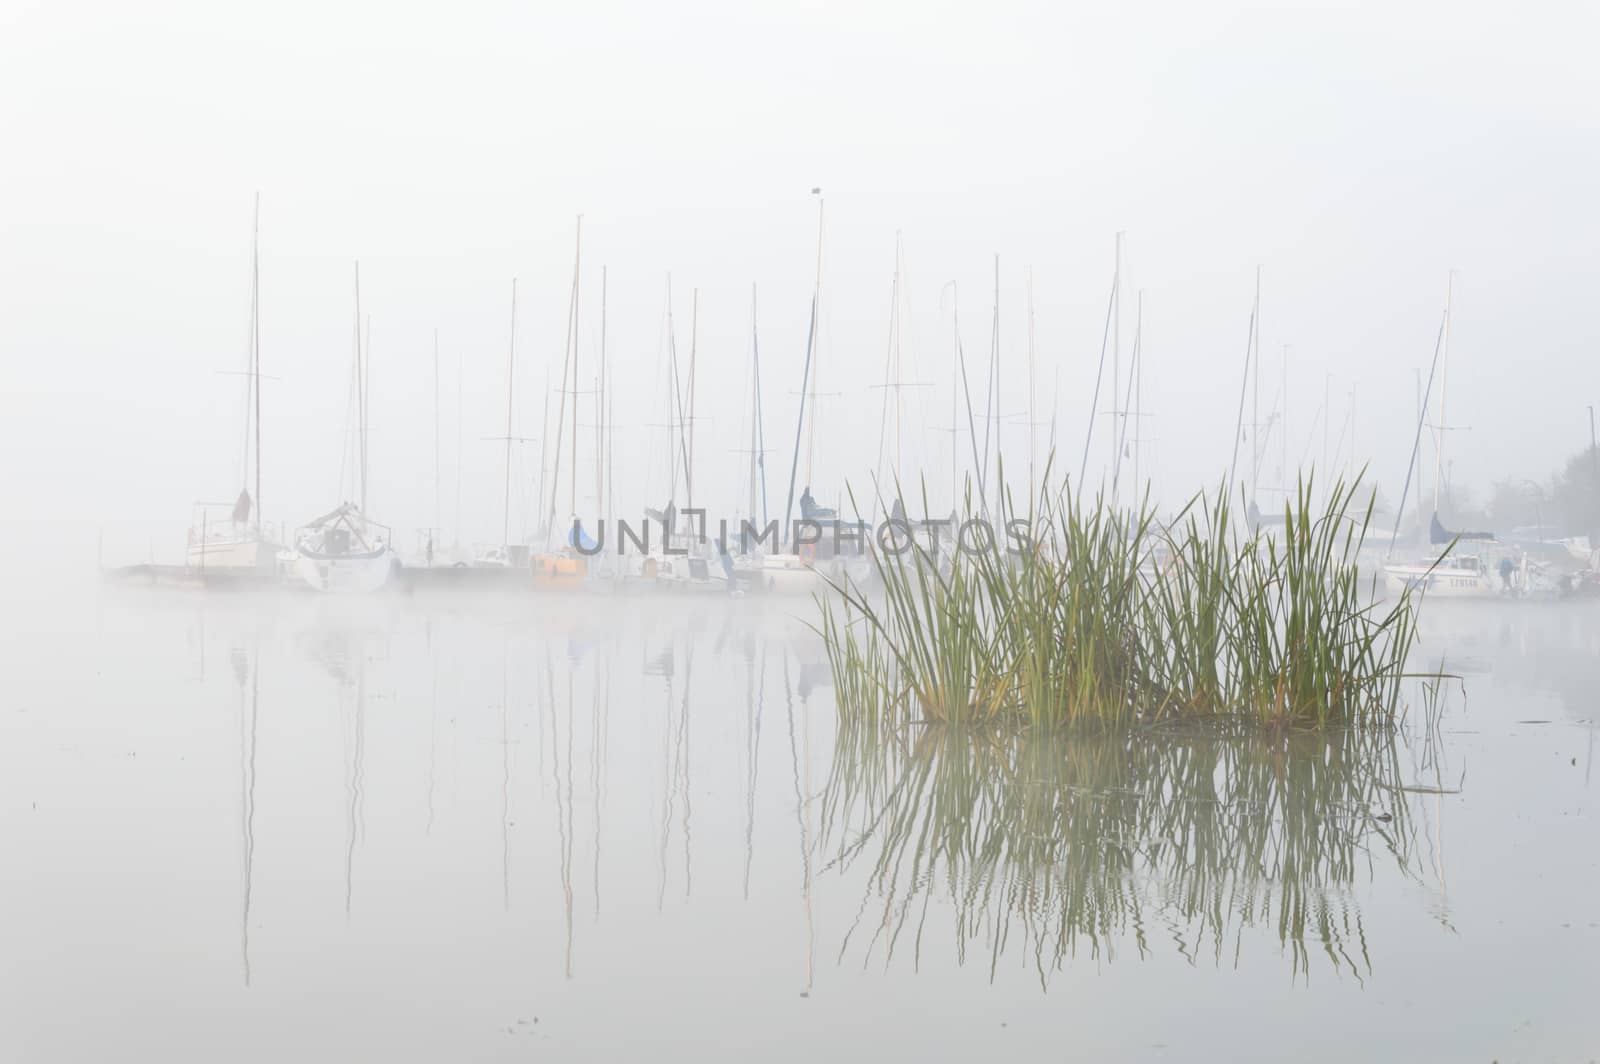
1058 845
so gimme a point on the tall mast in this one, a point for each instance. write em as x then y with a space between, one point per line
811 343
1351 468
569 372
814 347
361 403
511 379
1130 421
1444 387
577 270
758 436
545 466
898 383
600 409
460 378
1239 424
366 407
1327 418
694 342
1255 400
1138 394
992 425
891 381
1416 469
255 340
1032 396
1116 362
437 496
755 410
674 401
955 396
1283 427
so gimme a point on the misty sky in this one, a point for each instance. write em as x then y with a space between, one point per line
1355 152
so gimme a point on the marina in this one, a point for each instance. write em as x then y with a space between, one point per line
801 533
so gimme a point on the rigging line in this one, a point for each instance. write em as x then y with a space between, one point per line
888 366
511 379
675 408
1122 441
568 363
1244 388
761 431
1416 442
1094 403
991 405
972 430
255 342
794 465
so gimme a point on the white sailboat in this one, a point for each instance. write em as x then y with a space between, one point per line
229 538
344 550
1489 571
794 569
225 539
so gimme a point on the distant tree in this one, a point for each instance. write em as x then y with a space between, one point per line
1519 503
1575 494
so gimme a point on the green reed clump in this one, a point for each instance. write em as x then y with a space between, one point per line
933 640
1104 617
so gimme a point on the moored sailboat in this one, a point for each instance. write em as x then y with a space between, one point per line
344 550
230 538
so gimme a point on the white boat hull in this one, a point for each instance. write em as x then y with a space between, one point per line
357 574
1441 582
233 554
785 574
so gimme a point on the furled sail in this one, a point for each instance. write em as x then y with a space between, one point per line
1438 534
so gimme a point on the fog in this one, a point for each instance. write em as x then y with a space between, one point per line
1354 153
287 782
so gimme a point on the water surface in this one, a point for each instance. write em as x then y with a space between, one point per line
257 828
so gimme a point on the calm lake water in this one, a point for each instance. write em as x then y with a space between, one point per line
262 828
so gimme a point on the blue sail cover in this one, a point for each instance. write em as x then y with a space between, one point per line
1439 535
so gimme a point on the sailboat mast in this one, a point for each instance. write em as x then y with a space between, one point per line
674 428
1255 399
361 403
811 343
366 406
1116 365
889 381
757 459
511 379
1351 469
577 272
255 340
437 491
1032 397
1138 393
991 427
1327 417
694 342
814 351
899 435
955 396
1283 433
1444 388
460 379
545 465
